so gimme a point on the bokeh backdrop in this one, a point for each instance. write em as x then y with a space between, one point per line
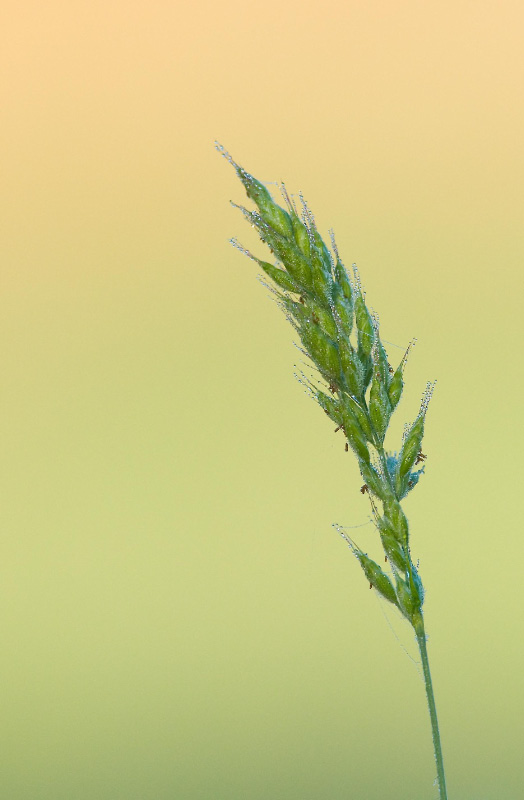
179 619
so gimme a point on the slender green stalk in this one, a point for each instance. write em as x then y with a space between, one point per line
355 386
421 640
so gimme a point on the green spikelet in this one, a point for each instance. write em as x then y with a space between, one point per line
410 448
397 520
367 368
366 332
330 406
321 280
395 387
299 315
412 442
343 312
379 406
397 381
279 276
323 352
410 593
362 416
301 236
381 364
405 597
417 590
355 435
275 216
352 369
377 579
374 481
287 252
321 252
284 248
393 550
323 317
343 281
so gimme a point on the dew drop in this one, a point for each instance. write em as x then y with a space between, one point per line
222 150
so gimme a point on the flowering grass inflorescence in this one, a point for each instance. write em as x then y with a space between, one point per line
359 389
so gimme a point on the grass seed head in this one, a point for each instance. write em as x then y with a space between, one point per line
330 306
325 306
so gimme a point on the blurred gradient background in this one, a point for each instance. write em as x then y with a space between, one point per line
179 619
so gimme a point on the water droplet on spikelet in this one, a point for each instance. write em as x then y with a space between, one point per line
222 150
426 397
333 243
242 249
356 280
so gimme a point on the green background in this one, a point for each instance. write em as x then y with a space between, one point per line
178 617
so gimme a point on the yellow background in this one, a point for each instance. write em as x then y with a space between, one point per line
179 619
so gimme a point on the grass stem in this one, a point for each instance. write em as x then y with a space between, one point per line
421 640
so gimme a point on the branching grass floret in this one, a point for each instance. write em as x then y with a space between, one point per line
359 393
